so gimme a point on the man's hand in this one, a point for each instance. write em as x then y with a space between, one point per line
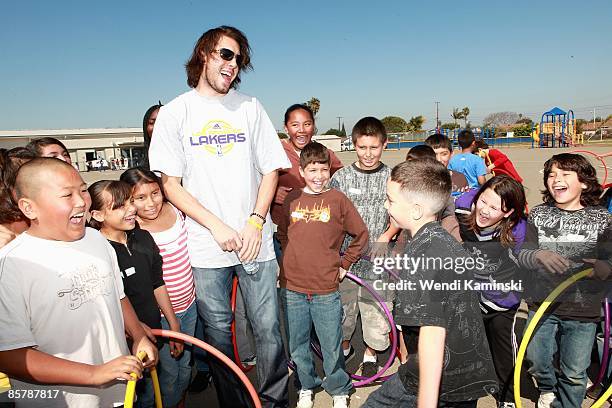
342 273
281 194
176 346
121 367
601 269
552 261
251 240
149 333
226 237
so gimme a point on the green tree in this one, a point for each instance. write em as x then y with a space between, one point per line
314 104
465 112
282 135
450 126
523 130
394 124
343 131
416 123
525 121
580 124
456 115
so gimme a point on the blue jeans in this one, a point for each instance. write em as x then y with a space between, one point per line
575 343
174 374
213 289
325 312
199 355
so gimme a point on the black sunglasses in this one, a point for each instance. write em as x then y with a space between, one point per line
229 55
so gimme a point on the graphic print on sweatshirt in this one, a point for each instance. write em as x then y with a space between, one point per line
318 213
570 233
218 137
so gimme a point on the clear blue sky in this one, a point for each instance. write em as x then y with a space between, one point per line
101 64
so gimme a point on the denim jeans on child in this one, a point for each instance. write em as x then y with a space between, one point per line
174 374
325 312
575 343
213 290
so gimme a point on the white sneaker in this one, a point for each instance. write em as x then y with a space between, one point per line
546 399
341 401
507 405
305 399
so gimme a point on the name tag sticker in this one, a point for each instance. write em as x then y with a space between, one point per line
129 271
297 214
353 190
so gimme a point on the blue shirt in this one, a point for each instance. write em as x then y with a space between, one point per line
470 165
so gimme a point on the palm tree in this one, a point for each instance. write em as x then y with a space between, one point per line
456 115
314 104
416 123
464 115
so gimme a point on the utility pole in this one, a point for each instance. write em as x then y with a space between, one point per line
593 115
437 117
339 117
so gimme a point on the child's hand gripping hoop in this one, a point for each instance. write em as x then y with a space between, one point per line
131 386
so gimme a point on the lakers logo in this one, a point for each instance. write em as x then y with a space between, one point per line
217 137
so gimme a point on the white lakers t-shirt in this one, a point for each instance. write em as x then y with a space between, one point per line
220 147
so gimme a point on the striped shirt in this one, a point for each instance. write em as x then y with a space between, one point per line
177 271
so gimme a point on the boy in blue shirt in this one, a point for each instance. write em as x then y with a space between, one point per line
470 165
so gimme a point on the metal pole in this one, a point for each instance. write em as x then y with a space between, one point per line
339 117
437 117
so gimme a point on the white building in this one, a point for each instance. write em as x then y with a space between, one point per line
85 145
332 142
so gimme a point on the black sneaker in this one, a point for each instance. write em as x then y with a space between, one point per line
369 369
200 382
350 355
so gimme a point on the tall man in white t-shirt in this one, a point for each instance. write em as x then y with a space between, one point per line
224 149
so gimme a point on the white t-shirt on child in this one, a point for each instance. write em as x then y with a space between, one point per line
220 147
63 298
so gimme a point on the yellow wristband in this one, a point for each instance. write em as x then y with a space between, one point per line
256 225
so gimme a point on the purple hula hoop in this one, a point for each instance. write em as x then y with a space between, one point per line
606 349
362 381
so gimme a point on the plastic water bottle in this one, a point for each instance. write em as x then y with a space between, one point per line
251 267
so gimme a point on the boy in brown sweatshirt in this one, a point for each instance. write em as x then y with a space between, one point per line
314 223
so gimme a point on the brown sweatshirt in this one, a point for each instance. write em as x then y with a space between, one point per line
311 231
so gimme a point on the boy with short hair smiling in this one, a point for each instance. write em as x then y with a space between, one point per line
62 311
364 183
453 366
311 231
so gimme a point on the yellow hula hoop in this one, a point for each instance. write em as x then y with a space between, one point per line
131 386
529 332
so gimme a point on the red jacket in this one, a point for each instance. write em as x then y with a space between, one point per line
502 163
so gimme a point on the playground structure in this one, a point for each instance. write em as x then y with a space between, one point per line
557 128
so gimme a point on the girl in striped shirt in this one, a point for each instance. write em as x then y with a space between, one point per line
167 227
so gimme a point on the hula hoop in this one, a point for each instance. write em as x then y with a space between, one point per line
237 360
131 386
210 349
529 332
363 381
603 368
